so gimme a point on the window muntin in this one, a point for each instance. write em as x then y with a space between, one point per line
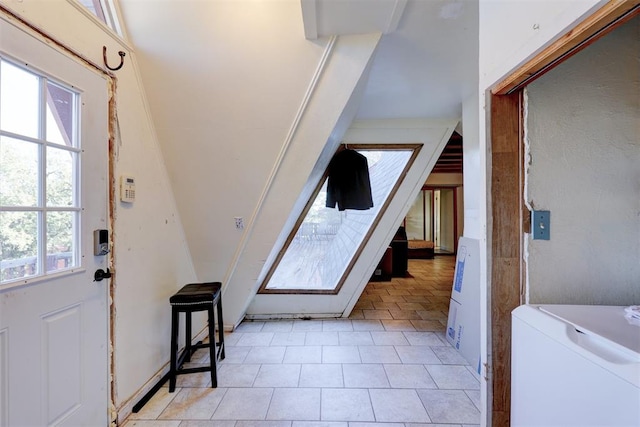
39 168
325 243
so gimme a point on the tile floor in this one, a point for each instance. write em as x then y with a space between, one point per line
387 365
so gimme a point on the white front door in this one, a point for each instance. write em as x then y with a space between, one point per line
54 319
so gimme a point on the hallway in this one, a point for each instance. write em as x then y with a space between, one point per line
388 364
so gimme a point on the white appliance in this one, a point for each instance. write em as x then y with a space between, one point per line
574 365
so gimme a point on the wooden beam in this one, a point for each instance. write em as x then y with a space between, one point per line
610 16
506 244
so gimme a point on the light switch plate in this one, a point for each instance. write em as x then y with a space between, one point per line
541 221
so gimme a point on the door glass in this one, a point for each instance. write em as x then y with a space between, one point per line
39 163
327 240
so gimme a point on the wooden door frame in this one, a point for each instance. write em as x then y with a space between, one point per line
509 218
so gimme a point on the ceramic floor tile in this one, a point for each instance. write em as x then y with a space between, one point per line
353 424
423 338
288 338
234 405
346 405
194 404
278 375
356 315
399 325
154 407
390 405
207 423
321 375
235 354
417 354
196 379
340 325
449 355
355 338
428 325
409 376
378 354
265 355
278 326
249 327
295 404
449 406
340 354
252 339
365 376
431 315
306 354
237 375
367 325
261 424
453 377
377 314
151 423
389 338
231 338
319 424
322 338
474 395
307 325
393 298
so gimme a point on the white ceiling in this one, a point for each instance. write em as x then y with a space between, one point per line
426 62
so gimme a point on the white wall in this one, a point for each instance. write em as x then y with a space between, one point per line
583 122
151 257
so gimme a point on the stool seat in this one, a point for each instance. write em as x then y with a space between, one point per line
192 298
196 293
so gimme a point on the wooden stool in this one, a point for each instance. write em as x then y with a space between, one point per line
191 298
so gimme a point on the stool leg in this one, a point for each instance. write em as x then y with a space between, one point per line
220 328
212 347
187 336
174 349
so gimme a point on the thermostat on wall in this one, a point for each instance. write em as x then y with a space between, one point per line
127 189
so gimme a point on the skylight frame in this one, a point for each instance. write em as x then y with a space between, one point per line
415 150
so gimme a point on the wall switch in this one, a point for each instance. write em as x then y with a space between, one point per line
239 222
541 225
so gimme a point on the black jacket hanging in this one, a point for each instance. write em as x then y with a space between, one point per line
348 183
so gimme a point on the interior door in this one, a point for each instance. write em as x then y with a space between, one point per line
54 325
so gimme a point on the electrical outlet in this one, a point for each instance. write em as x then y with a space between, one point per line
239 222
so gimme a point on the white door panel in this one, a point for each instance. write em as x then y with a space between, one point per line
54 329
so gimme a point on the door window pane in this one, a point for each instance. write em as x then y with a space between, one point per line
60 115
19 100
60 241
18 172
19 244
60 167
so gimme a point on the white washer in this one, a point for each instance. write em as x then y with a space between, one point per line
574 365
